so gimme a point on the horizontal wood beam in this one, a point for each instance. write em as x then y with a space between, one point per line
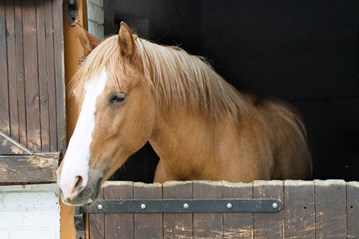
28 169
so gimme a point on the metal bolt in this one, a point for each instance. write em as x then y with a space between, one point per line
143 206
185 205
100 206
229 205
275 205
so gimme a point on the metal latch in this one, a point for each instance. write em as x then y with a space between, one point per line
79 223
72 11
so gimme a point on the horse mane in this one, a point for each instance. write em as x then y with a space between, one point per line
176 77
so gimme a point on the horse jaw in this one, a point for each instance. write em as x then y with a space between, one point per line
73 174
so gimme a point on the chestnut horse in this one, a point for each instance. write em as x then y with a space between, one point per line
131 91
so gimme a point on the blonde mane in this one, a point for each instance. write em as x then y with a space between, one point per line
176 77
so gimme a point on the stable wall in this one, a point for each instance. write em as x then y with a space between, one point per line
29 211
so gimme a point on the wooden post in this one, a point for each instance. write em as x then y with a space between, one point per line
73 53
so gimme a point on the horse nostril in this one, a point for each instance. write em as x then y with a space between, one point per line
79 184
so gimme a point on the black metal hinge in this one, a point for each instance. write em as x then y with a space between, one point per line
185 206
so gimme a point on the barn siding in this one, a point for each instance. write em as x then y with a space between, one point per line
312 209
32 97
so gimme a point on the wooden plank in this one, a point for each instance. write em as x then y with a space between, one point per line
331 218
11 59
96 224
237 225
19 52
31 76
36 168
353 209
299 209
50 75
41 56
59 74
268 225
148 225
177 225
4 84
207 225
119 225
10 146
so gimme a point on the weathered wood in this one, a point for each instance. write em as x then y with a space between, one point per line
299 209
97 222
268 225
237 225
50 75
177 225
4 84
353 209
331 218
20 91
207 225
119 225
59 74
148 225
11 63
35 168
31 76
41 56
10 146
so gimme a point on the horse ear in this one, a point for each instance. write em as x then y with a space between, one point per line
87 40
126 41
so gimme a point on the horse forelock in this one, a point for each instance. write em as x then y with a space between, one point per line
176 78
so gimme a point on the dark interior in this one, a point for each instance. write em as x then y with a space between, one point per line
305 52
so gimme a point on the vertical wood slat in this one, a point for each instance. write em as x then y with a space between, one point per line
148 225
31 76
11 65
41 56
97 222
119 225
59 74
268 225
299 209
20 80
331 219
353 209
50 75
177 225
4 92
237 225
207 225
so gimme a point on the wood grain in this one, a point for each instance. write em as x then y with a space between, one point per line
119 225
299 209
268 225
96 222
148 225
237 225
207 225
331 218
177 225
24 169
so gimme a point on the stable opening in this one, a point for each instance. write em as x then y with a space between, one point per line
304 52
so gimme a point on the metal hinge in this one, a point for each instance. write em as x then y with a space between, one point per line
185 206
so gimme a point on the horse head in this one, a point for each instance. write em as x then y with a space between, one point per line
116 116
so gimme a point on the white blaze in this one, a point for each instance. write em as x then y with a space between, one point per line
76 160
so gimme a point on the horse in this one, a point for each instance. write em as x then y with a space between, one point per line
130 91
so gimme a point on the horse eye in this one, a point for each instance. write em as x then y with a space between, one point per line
117 98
